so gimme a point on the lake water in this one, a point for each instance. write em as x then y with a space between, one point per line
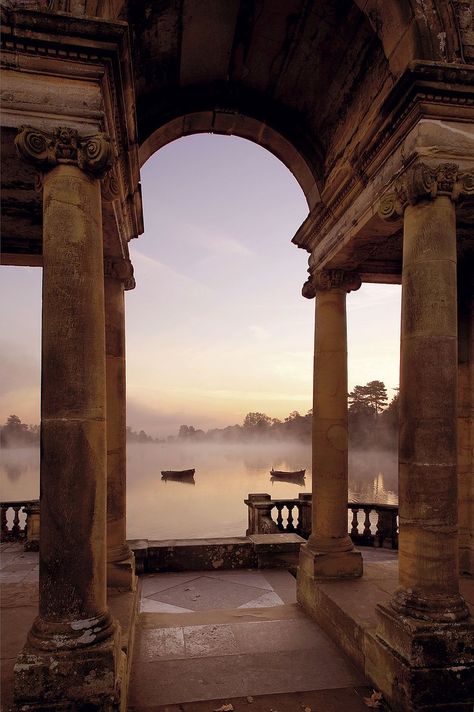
225 475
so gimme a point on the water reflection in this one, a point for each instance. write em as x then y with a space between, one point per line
225 474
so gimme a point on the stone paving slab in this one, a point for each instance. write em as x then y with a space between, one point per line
348 699
207 678
212 590
238 615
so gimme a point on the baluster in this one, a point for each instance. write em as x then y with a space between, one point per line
381 530
279 519
16 522
4 523
289 526
355 521
394 530
367 533
299 524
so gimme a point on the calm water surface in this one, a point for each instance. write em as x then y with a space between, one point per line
225 475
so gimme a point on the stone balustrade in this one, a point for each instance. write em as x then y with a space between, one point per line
372 524
20 522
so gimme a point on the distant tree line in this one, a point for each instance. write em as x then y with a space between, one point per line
17 434
255 426
373 422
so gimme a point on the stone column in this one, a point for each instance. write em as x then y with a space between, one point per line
425 628
330 551
72 653
466 415
120 560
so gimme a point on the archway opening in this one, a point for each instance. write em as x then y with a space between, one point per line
217 330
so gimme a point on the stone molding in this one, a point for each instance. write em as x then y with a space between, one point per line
120 269
421 181
326 280
45 150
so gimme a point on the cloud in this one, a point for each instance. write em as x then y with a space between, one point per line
217 243
259 332
148 266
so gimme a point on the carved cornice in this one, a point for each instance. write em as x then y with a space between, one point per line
329 279
93 154
120 269
421 181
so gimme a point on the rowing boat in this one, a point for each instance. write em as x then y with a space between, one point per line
179 476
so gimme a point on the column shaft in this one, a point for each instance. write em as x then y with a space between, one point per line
119 557
329 551
428 411
329 453
466 417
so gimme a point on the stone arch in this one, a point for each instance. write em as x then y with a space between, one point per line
297 154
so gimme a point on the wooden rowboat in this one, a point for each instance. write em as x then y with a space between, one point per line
186 476
296 477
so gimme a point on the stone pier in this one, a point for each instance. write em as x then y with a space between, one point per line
72 655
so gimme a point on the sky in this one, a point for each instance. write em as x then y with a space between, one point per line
216 326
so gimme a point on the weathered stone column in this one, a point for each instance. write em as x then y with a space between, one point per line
330 551
425 629
428 507
72 654
466 415
120 560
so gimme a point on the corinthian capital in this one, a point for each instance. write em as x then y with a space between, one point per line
325 280
421 181
120 269
93 154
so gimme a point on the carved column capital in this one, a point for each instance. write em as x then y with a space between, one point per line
326 280
421 181
45 150
120 269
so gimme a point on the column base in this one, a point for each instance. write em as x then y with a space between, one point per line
121 574
421 665
330 565
91 678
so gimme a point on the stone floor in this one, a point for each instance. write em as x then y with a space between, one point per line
231 636
205 639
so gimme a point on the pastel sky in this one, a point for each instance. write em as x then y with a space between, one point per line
216 326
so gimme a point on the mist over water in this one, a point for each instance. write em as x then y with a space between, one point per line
225 474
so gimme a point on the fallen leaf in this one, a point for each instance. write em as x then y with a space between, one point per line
225 708
250 699
374 699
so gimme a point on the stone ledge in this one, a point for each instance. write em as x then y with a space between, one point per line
348 612
254 551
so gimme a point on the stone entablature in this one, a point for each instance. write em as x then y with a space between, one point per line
429 116
73 72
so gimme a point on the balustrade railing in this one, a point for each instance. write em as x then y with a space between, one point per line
371 524
20 522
